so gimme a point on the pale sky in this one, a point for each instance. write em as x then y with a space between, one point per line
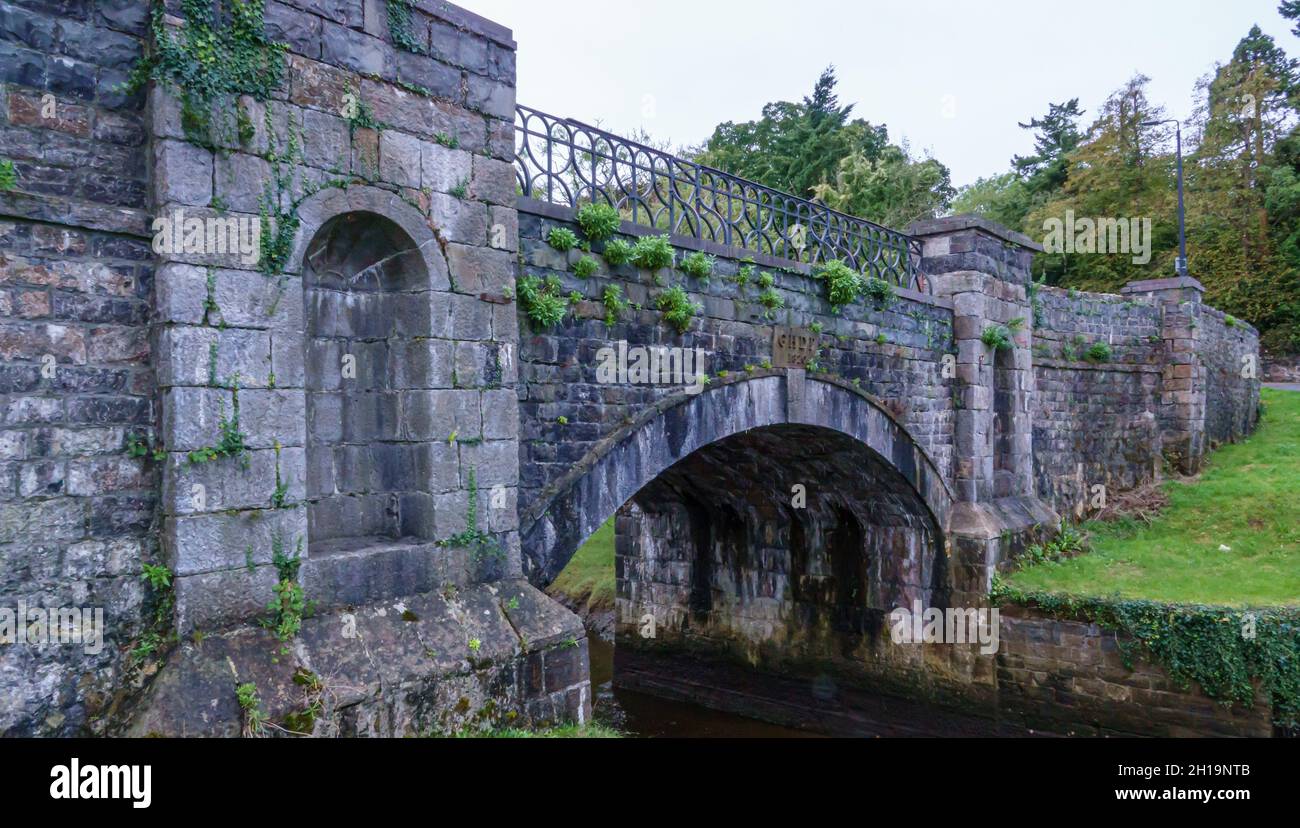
951 77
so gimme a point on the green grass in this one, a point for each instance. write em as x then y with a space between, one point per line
1248 499
590 730
590 574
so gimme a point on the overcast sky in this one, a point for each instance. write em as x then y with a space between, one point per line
953 77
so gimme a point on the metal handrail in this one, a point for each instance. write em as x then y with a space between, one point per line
564 161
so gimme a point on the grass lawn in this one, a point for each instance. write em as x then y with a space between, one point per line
590 574
1248 499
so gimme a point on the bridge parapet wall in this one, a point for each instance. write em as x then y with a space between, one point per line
892 350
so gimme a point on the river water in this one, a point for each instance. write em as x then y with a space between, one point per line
640 714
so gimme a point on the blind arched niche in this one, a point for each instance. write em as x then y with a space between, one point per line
365 288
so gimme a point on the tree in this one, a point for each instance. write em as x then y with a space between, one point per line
1119 170
892 189
794 146
814 149
1058 134
1001 198
1290 10
1242 189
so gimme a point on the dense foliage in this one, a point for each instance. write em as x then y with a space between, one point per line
814 150
1241 154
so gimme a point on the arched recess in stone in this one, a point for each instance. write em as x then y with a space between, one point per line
367 314
572 508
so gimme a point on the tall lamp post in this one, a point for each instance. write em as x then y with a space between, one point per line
1180 266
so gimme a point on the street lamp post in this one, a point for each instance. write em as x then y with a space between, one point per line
1180 265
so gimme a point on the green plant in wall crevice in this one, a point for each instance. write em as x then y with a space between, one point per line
843 284
478 542
598 221
1097 353
617 252
8 175
1002 337
677 308
541 301
653 253
615 304
289 606
697 264
562 239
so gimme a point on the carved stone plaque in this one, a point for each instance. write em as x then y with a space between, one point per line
793 347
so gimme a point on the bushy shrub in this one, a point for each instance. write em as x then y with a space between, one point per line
598 221
562 239
653 252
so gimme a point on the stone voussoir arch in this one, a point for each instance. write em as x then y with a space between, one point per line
319 208
574 506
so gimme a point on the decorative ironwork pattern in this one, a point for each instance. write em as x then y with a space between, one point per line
567 162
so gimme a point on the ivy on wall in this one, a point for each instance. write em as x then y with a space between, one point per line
1223 649
219 53
401 27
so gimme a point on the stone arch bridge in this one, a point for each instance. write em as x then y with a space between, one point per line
375 418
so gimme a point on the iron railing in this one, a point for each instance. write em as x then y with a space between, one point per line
567 162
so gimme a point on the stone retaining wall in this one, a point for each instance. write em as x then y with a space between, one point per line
1095 422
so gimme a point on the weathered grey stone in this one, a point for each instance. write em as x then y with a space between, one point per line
216 599
480 269
444 169
241 181
493 181
232 540
399 158
243 482
207 356
182 173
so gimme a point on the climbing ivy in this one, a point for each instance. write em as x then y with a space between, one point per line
1223 649
279 220
217 55
232 442
399 24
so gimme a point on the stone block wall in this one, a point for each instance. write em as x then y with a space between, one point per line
1230 354
394 163
1096 423
893 352
1069 677
77 507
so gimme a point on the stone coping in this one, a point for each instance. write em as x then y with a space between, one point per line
953 224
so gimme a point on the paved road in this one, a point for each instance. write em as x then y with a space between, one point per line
1283 386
